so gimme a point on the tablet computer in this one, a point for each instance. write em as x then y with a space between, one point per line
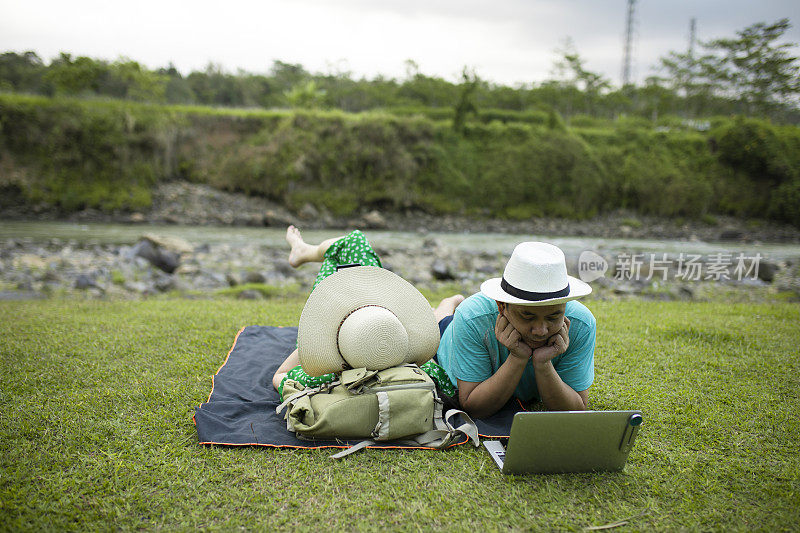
567 441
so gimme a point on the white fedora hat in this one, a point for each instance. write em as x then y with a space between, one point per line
365 317
536 274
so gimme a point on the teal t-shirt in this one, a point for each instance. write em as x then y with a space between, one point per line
470 351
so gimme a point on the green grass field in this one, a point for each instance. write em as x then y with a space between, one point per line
96 430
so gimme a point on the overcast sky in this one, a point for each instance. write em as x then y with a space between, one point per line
505 41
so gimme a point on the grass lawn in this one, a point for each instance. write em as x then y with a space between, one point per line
96 432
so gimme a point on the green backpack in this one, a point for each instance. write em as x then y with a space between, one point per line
395 404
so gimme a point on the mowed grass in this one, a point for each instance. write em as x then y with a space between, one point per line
96 430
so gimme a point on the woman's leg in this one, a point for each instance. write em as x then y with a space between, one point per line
302 252
289 363
349 249
447 306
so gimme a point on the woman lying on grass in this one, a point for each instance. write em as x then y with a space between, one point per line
354 249
522 336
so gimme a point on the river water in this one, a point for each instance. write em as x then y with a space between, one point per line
102 233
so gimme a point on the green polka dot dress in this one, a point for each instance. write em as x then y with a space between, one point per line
355 249
352 249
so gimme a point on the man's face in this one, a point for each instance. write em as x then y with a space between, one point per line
535 323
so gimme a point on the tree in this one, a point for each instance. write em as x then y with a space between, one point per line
21 72
759 72
288 75
306 95
569 69
693 78
215 86
78 76
578 85
465 105
139 83
177 90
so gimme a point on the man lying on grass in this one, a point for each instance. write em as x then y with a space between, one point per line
522 335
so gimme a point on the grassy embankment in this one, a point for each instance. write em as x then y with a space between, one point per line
109 155
96 432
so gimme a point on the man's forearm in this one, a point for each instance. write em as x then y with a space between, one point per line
555 394
490 395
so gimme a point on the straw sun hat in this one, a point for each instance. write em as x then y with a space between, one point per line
365 317
536 274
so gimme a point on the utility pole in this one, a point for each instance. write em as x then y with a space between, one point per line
627 58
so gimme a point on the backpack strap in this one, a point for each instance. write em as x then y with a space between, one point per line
468 428
305 392
441 438
353 449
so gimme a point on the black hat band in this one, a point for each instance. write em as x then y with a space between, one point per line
532 296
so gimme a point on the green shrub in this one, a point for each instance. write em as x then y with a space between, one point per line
785 202
86 154
759 149
515 164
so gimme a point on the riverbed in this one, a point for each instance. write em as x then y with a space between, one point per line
45 258
107 233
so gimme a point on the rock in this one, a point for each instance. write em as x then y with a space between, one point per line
165 283
488 269
625 288
374 220
274 219
50 276
686 292
326 218
137 218
84 281
209 279
29 261
767 271
135 286
188 270
731 235
432 244
254 277
250 294
172 244
162 259
283 267
249 220
308 212
224 218
441 271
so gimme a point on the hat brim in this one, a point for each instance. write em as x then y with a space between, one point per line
343 292
493 290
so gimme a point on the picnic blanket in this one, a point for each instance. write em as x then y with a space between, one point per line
240 410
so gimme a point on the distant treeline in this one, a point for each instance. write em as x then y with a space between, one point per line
750 74
75 153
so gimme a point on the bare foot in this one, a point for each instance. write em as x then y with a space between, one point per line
301 251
